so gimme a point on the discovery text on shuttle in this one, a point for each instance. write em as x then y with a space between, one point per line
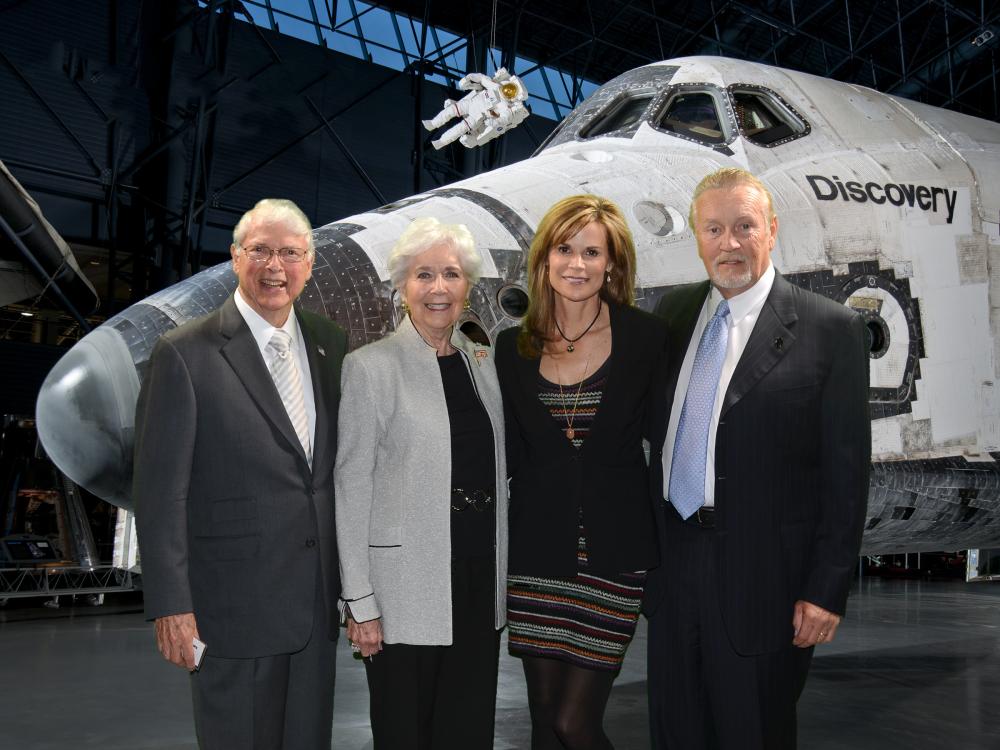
898 194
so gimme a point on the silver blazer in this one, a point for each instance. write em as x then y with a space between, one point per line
393 485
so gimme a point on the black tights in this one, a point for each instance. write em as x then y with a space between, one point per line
567 705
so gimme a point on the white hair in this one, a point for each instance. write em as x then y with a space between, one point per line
274 211
423 234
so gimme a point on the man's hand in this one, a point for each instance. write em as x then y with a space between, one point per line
366 636
813 624
174 637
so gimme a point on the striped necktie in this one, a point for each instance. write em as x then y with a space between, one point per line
287 380
687 467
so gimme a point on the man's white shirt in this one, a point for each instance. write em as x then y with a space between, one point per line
744 309
262 332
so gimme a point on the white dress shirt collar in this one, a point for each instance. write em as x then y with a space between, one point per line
744 309
746 302
262 330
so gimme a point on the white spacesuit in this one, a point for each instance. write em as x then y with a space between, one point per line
492 106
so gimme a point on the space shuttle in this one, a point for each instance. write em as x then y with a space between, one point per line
887 206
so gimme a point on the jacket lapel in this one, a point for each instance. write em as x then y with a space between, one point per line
241 352
681 317
325 378
680 313
488 391
608 408
527 377
770 341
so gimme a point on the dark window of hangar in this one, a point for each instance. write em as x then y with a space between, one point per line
623 113
764 119
694 115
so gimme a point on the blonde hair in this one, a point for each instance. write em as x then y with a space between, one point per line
423 234
728 178
564 220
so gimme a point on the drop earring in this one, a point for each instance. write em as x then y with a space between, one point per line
405 307
466 305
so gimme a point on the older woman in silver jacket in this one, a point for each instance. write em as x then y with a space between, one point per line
422 505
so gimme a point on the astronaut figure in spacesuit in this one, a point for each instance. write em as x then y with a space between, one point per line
492 106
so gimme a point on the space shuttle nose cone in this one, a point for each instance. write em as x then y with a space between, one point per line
86 412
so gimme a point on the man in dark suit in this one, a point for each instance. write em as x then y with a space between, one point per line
236 431
763 462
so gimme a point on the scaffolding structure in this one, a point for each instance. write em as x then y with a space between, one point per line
59 580
79 576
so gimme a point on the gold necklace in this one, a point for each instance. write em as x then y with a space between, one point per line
570 418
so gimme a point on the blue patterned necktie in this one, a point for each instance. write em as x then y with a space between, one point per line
687 468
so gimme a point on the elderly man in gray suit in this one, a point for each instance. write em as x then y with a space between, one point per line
236 431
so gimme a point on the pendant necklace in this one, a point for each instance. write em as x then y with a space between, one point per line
571 348
570 418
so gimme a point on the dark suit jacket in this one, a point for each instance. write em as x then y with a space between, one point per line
792 456
231 520
607 476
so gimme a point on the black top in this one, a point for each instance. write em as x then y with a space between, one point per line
607 476
472 460
574 406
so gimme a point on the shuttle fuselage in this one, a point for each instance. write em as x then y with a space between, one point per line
885 205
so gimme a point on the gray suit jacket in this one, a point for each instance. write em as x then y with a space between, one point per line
393 480
233 525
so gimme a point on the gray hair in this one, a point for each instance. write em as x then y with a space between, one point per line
274 211
423 234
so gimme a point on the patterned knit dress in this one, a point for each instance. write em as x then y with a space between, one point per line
587 620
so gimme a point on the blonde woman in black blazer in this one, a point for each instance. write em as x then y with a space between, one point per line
576 378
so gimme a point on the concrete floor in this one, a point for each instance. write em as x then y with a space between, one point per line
916 665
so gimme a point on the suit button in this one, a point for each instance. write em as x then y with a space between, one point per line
310 542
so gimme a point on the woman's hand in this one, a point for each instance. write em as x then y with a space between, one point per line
366 637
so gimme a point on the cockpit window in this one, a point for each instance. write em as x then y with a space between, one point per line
622 114
764 119
694 115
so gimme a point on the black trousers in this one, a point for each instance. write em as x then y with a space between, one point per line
442 697
279 702
702 693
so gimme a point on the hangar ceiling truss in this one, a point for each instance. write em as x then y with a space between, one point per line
408 41
152 197
940 52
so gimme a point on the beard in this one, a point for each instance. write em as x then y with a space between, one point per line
724 278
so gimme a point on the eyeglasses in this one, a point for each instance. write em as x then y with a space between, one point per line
263 253
476 499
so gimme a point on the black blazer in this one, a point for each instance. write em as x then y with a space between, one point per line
607 476
232 521
792 457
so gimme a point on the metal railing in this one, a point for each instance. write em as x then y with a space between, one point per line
56 580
